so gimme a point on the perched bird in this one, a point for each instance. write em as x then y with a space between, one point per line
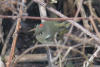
46 31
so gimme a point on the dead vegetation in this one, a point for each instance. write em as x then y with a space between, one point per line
50 33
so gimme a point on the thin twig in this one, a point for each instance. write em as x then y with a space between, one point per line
15 38
43 12
45 45
46 18
83 13
66 54
93 56
1 32
7 39
94 26
76 15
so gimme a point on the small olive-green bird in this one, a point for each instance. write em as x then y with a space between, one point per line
46 31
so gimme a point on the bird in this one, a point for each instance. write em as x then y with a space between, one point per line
46 31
